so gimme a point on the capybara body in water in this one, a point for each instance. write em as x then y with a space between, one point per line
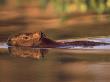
36 39
39 39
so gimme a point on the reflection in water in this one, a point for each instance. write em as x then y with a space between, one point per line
59 66
26 52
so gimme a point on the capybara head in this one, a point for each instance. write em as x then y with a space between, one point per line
26 39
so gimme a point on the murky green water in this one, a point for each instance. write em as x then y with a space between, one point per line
54 65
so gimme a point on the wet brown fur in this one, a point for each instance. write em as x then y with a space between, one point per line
37 39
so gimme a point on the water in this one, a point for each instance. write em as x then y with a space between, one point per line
24 64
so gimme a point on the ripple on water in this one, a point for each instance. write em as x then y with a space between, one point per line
102 39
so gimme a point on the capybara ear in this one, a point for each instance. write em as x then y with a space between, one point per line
37 35
43 35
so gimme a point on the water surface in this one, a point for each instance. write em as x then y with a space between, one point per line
67 64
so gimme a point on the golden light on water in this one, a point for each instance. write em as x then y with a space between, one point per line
60 20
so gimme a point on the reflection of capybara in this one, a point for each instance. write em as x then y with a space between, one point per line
27 52
39 39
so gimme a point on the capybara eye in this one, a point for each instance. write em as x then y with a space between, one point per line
25 37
